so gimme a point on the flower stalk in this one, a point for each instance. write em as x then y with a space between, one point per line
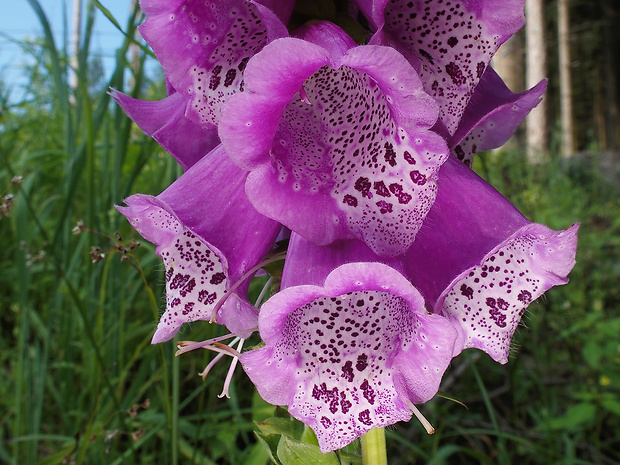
373 447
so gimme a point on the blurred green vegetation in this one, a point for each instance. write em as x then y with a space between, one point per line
81 384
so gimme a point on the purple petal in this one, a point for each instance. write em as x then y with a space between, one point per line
307 263
351 355
342 140
492 116
204 46
480 262
209 236
453 42
165 121
282 8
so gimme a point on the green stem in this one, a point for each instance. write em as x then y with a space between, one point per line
373 447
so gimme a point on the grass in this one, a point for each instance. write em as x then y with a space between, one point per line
81 383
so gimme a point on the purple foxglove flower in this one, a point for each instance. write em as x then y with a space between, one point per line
165 121
203 47
479 262
349 355
337 134
209 237
450 43
492 116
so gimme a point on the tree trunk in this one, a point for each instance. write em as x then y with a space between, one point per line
566 101
75 46
508 63
536 69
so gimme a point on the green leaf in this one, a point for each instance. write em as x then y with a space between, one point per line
576 415
292 452
611 405
270 443
592 353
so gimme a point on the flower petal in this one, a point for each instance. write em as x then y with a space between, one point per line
165 121
480 262
492 116
209 236
204 46
453 42
349 356
344 140
487 301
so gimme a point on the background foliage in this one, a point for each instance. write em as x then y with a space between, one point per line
81 384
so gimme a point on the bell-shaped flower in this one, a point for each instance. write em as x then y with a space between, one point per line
209 237
339 134
450 43
492 116
203 47
479 262
349 351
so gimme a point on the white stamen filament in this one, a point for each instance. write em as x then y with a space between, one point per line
188 346
261 296
211 364
231 370
427 425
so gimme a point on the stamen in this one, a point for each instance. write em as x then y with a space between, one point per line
231 370
211 364
241 280
427 425
188 346
261 296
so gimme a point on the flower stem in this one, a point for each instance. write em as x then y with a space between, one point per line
373 447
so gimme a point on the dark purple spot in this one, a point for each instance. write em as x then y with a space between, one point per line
455 73
326 422
452 41
206 298
363 185
350 200
362 362
243 64
418 178
390 154
217 278
427 55
347 371
368 392
408 158
460 153
345 405
189 306
381 189
525 297
467 291
480 67
364 417
230 77
215 78
384 207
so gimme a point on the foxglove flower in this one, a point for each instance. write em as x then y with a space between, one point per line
450 43
203 47
351 354
479 262
492 115
209 237
339 134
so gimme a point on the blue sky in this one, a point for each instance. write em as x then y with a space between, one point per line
19 21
